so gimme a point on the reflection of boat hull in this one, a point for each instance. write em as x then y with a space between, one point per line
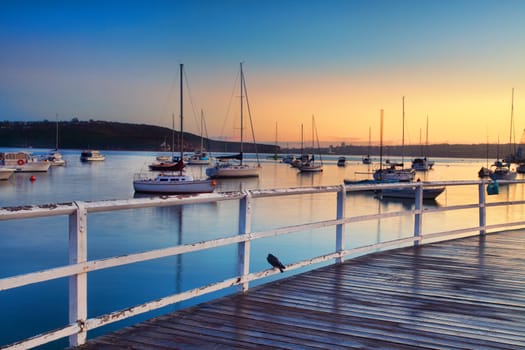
5 173
175 184
232 171
410 192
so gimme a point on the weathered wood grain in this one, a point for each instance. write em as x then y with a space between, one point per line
462 294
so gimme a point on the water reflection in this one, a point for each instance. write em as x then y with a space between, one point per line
28 247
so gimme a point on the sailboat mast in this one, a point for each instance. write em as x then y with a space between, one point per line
242 122
276 143
381 142
403 137
313 144
426 140
181 118
302 141
369 139
56 136
512 151
172 134
202 130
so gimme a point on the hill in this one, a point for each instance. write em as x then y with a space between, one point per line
108 136
105 135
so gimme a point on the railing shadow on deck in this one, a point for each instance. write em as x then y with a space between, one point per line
79 266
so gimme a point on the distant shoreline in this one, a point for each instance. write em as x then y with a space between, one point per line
104 135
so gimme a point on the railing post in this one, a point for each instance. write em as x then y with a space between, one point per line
482 209
78 283
244 247
339 229
418 213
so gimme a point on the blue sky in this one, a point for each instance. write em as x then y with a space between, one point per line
342 61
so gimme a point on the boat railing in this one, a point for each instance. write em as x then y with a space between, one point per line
79 266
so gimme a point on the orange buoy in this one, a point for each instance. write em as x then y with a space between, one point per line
20 162
32 178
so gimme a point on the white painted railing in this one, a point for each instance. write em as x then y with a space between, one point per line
79 266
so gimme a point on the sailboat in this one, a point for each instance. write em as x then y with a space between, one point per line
54 157
311 165
296 162
366 159
226 166
395 171
200 156
164 164
422 163
174 183
429 193
501 168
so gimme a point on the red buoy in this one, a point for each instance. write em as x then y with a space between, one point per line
32 178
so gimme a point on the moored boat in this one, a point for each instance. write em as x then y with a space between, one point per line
174 183
501 170
199 157
233 166
91 156
23 162
54 157
395 172
174 165
225 168
422 164
312 165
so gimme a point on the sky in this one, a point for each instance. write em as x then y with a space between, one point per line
455 62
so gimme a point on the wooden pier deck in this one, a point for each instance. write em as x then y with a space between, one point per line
462 294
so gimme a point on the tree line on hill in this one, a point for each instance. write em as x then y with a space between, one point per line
105 135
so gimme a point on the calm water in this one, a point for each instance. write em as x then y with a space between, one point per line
35 244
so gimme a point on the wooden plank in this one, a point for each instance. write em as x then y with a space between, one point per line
464 294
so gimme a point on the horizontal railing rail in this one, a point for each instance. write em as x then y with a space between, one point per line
79 266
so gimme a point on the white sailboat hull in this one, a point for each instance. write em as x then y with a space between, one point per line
391 174
173 184
310 168
232 171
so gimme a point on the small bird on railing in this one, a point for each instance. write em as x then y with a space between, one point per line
272 259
